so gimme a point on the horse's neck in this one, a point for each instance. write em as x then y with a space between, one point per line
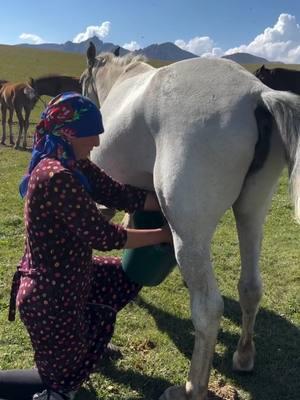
135 69
44 86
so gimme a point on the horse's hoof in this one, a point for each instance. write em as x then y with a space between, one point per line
242 363
16 146
2 142
174 393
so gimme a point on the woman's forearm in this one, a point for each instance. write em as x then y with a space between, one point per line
146 237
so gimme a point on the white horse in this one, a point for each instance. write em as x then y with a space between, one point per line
206 135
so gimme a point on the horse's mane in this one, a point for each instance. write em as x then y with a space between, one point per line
128 59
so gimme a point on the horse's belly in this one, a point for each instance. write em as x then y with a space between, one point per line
124 162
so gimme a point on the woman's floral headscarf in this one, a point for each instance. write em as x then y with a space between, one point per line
67 115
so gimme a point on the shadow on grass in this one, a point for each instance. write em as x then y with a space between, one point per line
276 374
149 387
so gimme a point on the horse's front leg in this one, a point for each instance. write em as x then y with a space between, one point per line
10 125
3 112
206 309
21 127
26 126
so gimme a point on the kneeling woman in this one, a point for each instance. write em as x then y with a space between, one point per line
68 299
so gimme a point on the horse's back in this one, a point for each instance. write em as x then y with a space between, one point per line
203 102
204 80
199 110
192 89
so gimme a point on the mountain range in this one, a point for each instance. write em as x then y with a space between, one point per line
165 51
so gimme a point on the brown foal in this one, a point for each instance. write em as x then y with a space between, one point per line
17 97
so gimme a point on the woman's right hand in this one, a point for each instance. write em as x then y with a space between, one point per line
147 237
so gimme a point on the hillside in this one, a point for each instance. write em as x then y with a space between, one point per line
246 58
19 63
164 51
70 47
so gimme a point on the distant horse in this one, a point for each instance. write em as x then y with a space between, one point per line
206 135
52 85
279 78
17 97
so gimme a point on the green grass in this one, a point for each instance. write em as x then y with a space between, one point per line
155 332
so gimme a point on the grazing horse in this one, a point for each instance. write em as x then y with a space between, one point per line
206 135
279 78
17 97
52 85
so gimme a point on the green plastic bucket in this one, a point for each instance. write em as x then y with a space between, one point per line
148 265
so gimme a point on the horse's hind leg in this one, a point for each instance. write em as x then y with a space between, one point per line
10 125
3 112
249 226
250 210
193 207
21 127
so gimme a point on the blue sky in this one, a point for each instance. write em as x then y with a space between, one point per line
268 28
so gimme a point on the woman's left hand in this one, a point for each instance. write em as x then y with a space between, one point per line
151 202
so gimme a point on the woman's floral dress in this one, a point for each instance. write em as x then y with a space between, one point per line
68 299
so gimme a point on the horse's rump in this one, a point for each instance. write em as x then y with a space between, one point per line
19 98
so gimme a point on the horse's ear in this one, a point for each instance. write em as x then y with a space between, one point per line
117 51
91 55
263 68
31 82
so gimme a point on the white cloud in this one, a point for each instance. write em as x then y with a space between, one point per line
131 46
35 39
278 43
100 31
215 52
197 45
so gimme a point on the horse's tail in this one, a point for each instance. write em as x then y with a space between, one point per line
285 110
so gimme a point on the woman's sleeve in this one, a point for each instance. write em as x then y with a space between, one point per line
111 193
76 210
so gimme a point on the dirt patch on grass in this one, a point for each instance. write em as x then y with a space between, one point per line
221 391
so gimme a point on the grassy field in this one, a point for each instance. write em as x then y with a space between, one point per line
155 332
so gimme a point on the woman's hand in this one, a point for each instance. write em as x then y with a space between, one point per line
147 237
167 234
151 202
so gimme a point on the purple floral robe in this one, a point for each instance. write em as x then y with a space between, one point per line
67 298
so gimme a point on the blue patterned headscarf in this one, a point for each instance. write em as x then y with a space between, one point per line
67 115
